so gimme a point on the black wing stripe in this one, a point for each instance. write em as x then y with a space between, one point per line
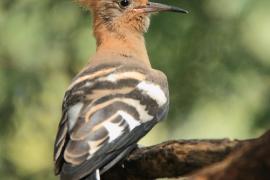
91 76
91 70
105 113
141 109
108 75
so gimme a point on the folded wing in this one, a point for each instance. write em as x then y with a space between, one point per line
106 110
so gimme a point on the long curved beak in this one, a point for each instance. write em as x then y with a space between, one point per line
158 7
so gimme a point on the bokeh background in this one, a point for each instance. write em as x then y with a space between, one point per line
217 59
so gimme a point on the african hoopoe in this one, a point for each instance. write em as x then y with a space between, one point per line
117 98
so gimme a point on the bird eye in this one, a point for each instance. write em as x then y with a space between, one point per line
124 3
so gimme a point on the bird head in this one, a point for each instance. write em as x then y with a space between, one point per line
127 15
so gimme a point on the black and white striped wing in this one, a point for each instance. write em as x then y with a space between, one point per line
105 112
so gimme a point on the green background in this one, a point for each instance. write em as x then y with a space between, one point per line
217 59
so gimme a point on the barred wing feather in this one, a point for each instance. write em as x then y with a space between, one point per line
105 112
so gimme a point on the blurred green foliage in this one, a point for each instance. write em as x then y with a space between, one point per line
217 59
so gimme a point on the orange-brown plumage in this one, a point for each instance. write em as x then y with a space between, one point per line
119 30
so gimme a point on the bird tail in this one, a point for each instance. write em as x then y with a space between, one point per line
94 176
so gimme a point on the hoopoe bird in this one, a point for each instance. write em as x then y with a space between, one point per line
117 98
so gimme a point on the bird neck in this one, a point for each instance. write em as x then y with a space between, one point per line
112 44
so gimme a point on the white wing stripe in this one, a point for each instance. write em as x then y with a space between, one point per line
154 91
141 109
114 77
114 130
131 121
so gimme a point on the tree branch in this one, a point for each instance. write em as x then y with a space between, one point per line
250 162
171 159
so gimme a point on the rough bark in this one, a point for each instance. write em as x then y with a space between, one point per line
171 159
248 159
251 162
